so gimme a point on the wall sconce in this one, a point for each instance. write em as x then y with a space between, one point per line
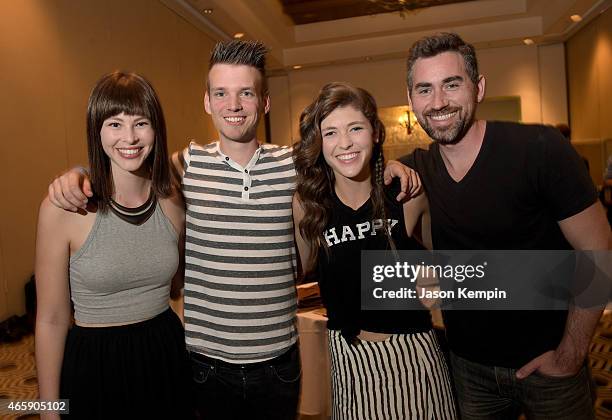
407 122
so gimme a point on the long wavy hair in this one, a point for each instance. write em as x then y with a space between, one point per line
315 179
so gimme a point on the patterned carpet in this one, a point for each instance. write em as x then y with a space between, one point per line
600 360
18 372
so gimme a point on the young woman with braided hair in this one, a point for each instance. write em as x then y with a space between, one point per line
385 364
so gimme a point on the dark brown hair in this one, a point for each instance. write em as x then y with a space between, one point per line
430 46
315 179
131 94
247 53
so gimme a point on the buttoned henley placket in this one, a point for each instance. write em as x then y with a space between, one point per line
246 171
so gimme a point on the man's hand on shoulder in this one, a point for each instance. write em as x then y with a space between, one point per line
409 179
71 190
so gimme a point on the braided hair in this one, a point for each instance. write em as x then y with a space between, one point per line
315 179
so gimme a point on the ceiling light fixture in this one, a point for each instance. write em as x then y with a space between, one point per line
207 11
528 41
575 18
297 67
238 35
403 7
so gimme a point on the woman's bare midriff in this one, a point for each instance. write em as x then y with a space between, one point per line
118 324
372 336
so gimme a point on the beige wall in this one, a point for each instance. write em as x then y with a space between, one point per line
53 51
553 83
280 110
535 74
589 64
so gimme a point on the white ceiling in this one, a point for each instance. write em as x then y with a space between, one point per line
484 23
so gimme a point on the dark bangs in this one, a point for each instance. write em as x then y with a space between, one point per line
120 98
131 94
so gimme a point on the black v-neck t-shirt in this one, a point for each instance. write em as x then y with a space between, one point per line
349 232
524 180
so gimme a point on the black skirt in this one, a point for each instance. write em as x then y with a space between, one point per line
139 370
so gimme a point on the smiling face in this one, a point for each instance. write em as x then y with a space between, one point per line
127 140
235 100
443 97
348 140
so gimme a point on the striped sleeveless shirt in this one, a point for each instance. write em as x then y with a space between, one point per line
240 297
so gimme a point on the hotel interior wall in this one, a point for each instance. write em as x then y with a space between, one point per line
534 73
589 70
52 54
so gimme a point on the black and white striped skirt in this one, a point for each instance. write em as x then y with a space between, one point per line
403 377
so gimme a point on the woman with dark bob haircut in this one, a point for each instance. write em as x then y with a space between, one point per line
384 364
125 354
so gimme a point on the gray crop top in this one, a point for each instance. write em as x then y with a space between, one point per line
122 273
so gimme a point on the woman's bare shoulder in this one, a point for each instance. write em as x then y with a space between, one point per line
173 207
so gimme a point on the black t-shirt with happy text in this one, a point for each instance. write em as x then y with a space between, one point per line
524 180
347 233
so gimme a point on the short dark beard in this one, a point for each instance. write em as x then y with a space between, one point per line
451 135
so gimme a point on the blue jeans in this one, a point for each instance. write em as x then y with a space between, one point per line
267 390
490 392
